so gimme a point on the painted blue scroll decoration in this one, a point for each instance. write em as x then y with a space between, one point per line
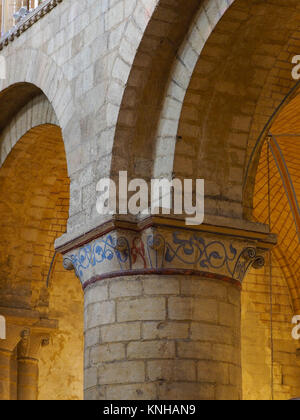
157 253
195 251
104 249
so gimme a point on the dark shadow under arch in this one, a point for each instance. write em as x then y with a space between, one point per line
14 98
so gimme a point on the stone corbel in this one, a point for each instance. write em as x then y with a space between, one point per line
249 257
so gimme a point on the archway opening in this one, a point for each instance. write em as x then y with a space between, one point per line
34 204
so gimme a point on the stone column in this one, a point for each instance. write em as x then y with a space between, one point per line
27 357
5 356
14 376
162 310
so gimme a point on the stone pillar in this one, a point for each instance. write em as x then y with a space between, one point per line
14 376
165 337
5 356
162 311
27 357
27 379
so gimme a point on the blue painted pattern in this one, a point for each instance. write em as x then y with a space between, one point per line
195 252
104 249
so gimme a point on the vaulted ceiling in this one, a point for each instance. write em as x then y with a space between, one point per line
279 173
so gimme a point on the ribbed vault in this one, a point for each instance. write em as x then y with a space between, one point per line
278 172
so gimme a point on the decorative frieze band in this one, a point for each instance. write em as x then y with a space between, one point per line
28 21
163 250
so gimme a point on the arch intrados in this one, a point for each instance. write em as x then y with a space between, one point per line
14 98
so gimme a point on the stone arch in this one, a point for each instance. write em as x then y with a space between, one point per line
34 207
34 204
152 123
35 72
274 166
277 176
163 65
35 197
266 329
254 153
36 112
146 80
205 21
26 184
139 15
233 92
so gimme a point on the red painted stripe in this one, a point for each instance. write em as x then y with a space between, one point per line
162 272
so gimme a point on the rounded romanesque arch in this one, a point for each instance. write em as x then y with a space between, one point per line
160 88
201 91
232 94
29 181
183 80
30 73
147 84
42 303
36 112
34 208
270 297
276 192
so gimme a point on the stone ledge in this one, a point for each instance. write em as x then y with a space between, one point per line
212 224
28 318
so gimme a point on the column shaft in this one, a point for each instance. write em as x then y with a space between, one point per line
13 376
162 337
27 379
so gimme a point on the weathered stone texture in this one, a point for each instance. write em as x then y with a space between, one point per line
157 88
159 342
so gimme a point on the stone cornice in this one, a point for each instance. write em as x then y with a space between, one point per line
19 320
28 21
250 231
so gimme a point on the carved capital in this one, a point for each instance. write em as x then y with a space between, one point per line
31 343
164 249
